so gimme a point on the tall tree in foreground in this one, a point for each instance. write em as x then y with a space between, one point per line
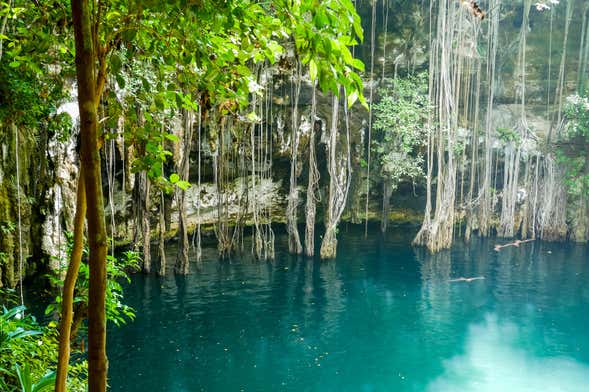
174 30
90 82
69 284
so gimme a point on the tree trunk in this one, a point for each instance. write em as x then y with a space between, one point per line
294 241
143 217
329 244
311 206
339 182
182 260
422 236
446 84
162 238
97 239
486 196
373 45
198 218
69 284
80 314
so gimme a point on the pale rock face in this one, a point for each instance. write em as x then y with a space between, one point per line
508 116
61 196
266 192
202 204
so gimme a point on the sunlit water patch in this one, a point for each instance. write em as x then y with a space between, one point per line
382 317
494 362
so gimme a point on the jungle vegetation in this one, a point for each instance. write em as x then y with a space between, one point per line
231 119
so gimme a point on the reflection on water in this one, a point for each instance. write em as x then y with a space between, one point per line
492 362
335 299
381 317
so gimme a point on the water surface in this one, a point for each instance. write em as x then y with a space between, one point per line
382 317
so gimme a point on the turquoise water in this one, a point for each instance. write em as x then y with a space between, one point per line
382 317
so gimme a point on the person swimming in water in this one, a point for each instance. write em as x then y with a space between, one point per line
516 243
463 279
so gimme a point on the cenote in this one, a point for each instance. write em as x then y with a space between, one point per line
382 316
294 195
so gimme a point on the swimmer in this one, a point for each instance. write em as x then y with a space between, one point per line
516 243
463 279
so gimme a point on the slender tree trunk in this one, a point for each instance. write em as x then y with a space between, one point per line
584 51
561 75
142 189
182 260
294 241
422 237
329 244
198 217
69 284
256 166
340 169
485 207
524 218
370 115
3 26
471 216
311 206
80 314
161 271
88 88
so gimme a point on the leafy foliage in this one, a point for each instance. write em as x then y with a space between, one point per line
157 58
401 124
117 270
323 33
27 353
35 59
508 135
170 56
26 380
573 145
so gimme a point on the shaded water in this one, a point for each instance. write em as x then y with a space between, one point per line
382 317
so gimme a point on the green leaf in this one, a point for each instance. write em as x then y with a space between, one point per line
352 98
174 178
358 64
116 64
20 333
120 81
171 137
313 70
112 15
46 383
358 29
146 84
184 185
24 377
